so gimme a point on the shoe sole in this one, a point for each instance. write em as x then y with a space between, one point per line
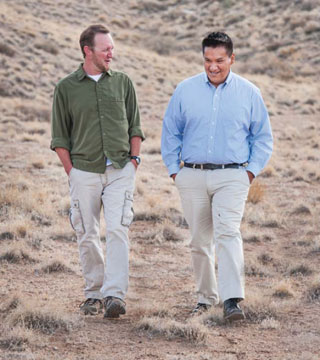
114 311
235 316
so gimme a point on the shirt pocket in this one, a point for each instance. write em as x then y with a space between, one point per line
116 107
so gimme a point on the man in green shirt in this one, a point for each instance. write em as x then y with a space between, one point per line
97 135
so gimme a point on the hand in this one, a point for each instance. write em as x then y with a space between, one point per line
135 164
250 176
173 176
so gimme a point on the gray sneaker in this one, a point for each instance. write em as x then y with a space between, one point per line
91 307
114 307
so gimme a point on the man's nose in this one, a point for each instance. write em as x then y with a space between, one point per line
213 67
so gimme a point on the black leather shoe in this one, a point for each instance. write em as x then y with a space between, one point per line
200 308
232 311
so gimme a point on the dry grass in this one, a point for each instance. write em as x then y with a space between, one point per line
172 329
283 290
313 293
256 192
55 266
47 320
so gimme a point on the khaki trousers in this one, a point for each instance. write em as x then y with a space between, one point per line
213 202
89 192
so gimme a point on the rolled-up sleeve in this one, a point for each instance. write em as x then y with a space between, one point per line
133 114
171 139
60 122
261 139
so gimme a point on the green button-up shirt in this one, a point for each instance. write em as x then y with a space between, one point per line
95 120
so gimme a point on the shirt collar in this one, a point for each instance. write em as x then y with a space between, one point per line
81 74
227 81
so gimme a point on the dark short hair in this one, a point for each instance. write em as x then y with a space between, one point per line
87 36
217 39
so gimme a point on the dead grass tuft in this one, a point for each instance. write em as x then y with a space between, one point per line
10 305
301 210
7 235
256 192
169 233
17 257
301 270
47 46
14 343
256 313
270 324
283 290
6 50
191 331
33 316
313 294
56 266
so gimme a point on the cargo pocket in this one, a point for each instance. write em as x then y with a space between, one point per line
76 218
127 211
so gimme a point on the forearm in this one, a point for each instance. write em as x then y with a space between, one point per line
65 159
135 145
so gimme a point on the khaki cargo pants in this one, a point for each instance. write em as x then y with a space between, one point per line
113 191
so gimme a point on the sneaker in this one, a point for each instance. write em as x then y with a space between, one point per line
200 308
91 306
232 311
113 307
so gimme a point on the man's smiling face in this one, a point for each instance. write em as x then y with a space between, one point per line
217 64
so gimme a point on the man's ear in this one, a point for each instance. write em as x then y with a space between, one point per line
233 58
87 50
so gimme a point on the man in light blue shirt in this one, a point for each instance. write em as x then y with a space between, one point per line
218 127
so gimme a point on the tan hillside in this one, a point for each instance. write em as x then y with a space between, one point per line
158 45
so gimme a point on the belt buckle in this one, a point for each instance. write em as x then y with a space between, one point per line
201 166
222 166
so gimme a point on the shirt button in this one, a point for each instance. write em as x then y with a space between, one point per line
99 99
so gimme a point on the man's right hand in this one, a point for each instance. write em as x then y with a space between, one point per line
173 176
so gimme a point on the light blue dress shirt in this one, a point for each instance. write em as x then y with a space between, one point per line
223 125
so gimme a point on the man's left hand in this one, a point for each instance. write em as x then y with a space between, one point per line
250 176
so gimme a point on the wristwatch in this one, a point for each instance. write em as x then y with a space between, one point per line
136 158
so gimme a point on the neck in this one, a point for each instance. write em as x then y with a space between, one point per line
90 69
